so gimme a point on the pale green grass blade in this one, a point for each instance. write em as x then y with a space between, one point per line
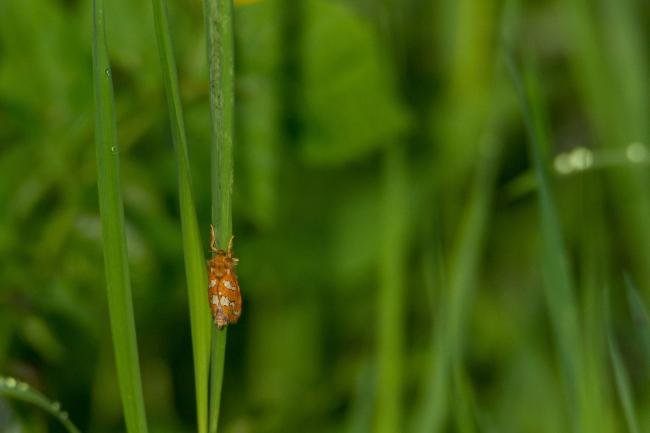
118 282
195 269
621 378
555 265
10 387
390 300
220 53
623 386
640 317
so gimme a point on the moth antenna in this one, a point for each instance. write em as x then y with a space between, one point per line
213 240
230 245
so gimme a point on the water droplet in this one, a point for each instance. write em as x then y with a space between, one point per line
11 382
22 386
581 158
107 71
562 164
56 406
114 149
636 152
64 415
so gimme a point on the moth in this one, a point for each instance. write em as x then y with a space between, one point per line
223 289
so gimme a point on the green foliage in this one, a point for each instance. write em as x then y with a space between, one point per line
404 265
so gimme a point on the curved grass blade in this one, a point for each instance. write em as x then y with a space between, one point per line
12 388
640 317
220 53
195 271
621 378
111 207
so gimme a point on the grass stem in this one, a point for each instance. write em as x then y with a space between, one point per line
192 248
111 207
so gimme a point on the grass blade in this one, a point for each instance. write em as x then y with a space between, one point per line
640 317
220 52
10 387
557 279
111 207
195 271
621 378
392 274
464 262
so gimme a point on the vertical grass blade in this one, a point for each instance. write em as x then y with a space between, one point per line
192 248
557 279
118 282
10 387
220 52
392 275
447 344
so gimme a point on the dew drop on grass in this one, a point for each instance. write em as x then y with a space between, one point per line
22 386
107 71
64 415
114 149
11 382
56 406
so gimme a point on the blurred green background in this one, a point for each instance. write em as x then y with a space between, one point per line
386 215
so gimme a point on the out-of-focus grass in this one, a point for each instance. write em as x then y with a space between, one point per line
323 90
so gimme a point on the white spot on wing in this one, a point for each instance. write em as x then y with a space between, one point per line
224 301
213 283
215 299
228 285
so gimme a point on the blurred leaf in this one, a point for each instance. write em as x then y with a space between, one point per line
350 108
259 121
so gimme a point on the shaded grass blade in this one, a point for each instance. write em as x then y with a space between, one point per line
640 317
195 271
10 387
464 262
621 378
118 282
220 53
557 280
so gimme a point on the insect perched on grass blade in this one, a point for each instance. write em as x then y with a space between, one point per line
223 288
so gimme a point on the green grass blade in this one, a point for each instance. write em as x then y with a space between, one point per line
640 317
118 282
464 263
10 387
392 275
220 52
557 279
195 270
623 386
621 378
